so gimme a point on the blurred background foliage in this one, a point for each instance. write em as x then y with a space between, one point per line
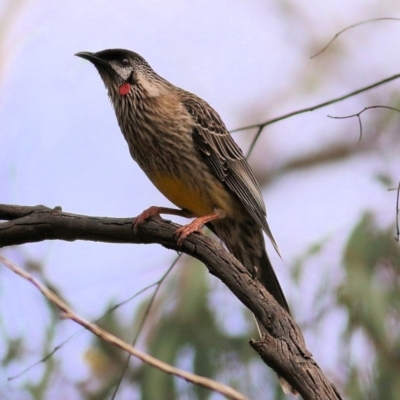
348 304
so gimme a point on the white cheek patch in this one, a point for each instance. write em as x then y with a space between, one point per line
123 73
152 88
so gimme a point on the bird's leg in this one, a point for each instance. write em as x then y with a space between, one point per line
155 211
197 224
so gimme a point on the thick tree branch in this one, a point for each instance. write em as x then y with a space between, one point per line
282 347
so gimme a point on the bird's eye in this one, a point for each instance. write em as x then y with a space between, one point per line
125 62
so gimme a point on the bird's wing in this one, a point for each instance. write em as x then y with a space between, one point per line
226 159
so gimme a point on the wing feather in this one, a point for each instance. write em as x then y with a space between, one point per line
226 159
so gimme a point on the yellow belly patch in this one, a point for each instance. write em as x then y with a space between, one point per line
183 195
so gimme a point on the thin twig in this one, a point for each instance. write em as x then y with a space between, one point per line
353 26
397 213
42 360
262 125
68 313
359 118
254 141
60 345
145 315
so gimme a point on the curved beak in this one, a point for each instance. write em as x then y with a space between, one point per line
93 58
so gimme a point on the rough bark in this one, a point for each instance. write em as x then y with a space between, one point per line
282 347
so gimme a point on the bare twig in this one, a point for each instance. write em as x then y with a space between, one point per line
254 141
350 27
43 359
60 345
262 125
397 213
68 313
359 118
145 315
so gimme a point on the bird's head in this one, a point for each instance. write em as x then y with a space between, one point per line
123 70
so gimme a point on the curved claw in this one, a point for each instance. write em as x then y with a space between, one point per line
197 224
184 231
152 211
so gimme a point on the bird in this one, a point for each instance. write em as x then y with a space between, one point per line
186 151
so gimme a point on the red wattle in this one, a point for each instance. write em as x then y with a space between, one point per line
124 88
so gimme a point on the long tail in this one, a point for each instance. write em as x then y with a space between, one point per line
270 281
245 241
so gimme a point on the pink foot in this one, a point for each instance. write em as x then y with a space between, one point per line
186 230
197 224
152 211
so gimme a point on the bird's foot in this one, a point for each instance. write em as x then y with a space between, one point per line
155 211
197 224
152 211
183 232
